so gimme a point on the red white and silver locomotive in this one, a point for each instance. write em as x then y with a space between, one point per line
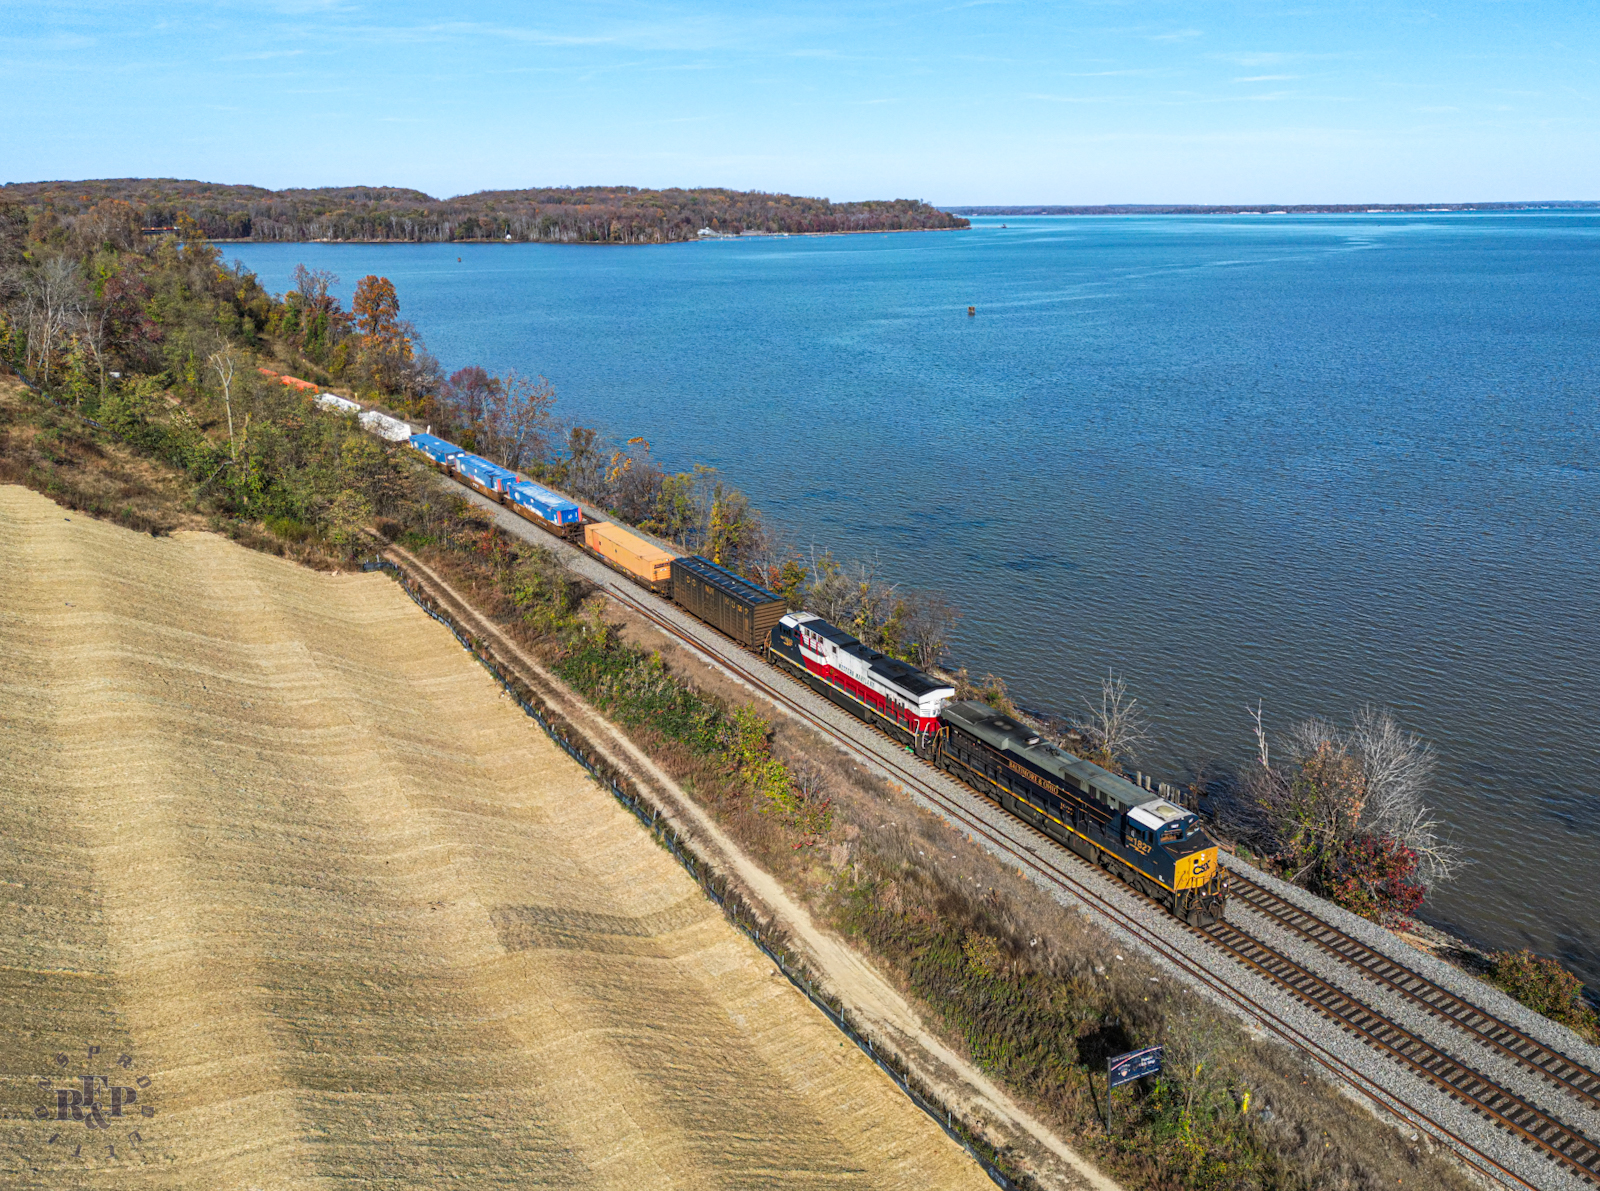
892 694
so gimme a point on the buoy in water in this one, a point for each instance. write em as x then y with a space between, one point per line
971 310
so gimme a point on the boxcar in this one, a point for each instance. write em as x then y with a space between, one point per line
544 508
723 600
438 451
384 426
632 555
488 478
338 404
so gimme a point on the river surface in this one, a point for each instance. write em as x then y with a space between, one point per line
1314 461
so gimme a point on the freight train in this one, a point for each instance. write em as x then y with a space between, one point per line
1156 846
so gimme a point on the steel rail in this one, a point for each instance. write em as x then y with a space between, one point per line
1450 1075
1055 874
1494 1032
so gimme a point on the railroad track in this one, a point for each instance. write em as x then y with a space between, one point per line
1500 1036
1559 1141
1553 1139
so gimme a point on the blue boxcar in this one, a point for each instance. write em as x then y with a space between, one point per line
489 476
437 449
544 504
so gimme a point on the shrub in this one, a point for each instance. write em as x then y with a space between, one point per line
1544 986
1376 877
287 528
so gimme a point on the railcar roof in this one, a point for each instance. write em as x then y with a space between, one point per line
907 677
421 441
543 494
726 580
1005 734
893 671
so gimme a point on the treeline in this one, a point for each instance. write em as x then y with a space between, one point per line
1276 208
160 340
585 214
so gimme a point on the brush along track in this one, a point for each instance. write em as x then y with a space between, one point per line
1441 1003
1524 1121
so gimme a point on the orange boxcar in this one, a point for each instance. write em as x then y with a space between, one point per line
630 554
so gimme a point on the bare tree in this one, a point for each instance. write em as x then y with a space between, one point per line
1117 727
930 625
517 418
222 363
831 594
54 292
1398 768
93 326
1338 785
313 285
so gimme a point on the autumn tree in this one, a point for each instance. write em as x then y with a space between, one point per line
733 532
1343 811
634 480
385 347
312 317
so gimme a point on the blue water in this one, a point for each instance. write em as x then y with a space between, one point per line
1310 460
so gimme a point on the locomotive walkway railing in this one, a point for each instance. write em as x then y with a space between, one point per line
715 886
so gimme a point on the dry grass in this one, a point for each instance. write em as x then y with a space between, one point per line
272 834
55 453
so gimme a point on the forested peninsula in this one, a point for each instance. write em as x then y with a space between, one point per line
568 215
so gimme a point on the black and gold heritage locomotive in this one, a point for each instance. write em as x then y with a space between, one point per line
1154 845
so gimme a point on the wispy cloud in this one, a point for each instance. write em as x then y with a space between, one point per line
1177 35
263 56
1072 98
1272 59
1267 78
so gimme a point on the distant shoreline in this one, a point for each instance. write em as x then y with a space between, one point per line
1276 209
865 231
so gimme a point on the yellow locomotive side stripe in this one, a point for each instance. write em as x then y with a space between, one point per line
1066 827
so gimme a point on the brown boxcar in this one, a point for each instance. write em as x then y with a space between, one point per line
723 600
630 554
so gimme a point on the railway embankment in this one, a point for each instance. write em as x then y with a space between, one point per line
966 931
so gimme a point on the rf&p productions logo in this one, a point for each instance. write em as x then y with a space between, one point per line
96 1106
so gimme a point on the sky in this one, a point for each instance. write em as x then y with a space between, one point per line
988 102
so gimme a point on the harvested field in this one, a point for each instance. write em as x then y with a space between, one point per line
274 838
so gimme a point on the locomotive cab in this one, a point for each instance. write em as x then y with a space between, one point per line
1182 852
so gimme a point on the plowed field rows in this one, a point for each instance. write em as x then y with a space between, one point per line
337 913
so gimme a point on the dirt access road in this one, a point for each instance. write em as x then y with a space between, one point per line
334 912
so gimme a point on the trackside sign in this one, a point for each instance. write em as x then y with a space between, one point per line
1136 1064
